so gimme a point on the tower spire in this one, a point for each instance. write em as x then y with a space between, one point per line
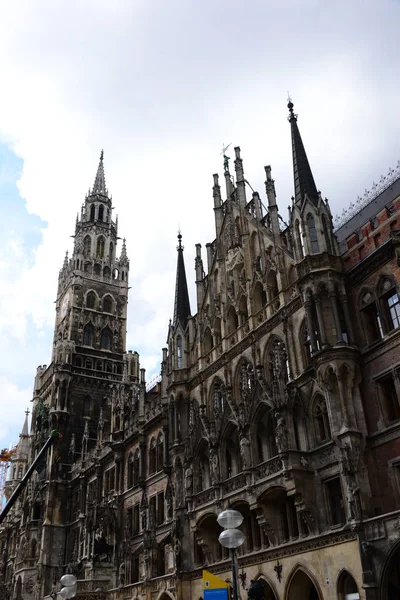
182 303
99 186
304 183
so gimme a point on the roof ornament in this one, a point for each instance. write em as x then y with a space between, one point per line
292 116
179 246
226 158
369 195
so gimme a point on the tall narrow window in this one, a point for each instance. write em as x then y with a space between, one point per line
179 352
312 232
335 499
100 247
91 300
390 400
394 310
327 234
153 457
107 304
88 335
101 212
371 318
321 420
136 467
299 239
87 243
160 452
106 339
160 508
92 212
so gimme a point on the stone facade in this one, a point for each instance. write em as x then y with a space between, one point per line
279 397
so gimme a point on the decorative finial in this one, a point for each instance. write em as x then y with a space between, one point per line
290 106
27 412
179 247
226 158
101 155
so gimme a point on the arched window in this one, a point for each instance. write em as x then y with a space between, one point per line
272 285
107 304
371 319
208 341
33 548
92 212
153 457
106 339
243 313
179 352
217 330
160 452
232 320
299 239
265 437
97 269
259 297
111 251
130 471
321 420
312 232
327 235
390 304
88 335
347 587
100 247
136 467
91 300
107 272
87 267
101 212
87 245
86 406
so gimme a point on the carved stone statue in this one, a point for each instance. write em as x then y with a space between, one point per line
189 481
281 433
244 451
214 466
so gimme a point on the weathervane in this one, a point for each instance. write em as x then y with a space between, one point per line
226 158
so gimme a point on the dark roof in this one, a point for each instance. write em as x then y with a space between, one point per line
303 178
367 213
182 303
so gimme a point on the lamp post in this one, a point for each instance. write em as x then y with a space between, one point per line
231 537
69 586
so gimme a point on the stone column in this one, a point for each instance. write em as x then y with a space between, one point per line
320 319
336 318
347 318
311 325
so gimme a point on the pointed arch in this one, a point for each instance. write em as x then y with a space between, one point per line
231 453
312 233
268 587
100 247
208 341
91 300
106 339
322 428
108 304
232 320
87 246
272 285
302 584
243 312
107 273
179 352
259 297
347 588
92 212
152 456
327 234
88 334
101 212
263 434
160 451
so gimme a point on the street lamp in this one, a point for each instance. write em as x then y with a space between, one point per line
69 586
231 537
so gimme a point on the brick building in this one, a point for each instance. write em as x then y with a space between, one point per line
279 396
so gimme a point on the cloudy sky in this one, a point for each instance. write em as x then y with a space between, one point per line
161 85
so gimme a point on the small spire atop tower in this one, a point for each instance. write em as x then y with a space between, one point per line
99 186
182 303
123 259
304 183
25 431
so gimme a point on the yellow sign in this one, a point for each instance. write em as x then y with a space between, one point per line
212 582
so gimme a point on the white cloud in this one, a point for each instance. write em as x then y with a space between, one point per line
160 86
14 402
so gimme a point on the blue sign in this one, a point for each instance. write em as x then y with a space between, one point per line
218 594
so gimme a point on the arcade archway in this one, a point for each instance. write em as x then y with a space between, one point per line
347 587
302 586
390 589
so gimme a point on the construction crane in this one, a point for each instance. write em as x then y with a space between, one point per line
5 457
16 493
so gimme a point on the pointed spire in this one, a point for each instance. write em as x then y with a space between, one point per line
123 259
182 303
304 183
25 430
99 186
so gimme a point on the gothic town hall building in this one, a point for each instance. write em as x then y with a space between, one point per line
279 395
